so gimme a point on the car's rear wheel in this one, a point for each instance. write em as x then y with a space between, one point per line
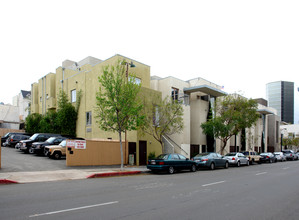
212 166
170 170
226 165
193 168
57 155
247 163
238 164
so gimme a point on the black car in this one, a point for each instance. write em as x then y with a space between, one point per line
25 145
7 135
268 157
12 140
170 163
38 147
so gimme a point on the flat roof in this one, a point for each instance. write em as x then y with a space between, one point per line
205 89
265 112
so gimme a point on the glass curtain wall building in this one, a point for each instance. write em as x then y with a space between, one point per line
280 95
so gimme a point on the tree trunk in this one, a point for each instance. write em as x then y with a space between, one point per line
223 147
121 151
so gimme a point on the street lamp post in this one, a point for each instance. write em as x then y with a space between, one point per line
127 75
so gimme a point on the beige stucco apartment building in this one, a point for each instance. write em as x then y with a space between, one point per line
197 95
73 77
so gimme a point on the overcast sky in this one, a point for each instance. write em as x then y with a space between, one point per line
241 45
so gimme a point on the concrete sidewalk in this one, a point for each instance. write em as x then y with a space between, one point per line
70 174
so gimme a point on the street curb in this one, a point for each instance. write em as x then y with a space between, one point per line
110 174
5 181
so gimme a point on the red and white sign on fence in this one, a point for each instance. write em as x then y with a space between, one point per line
77 144
80 144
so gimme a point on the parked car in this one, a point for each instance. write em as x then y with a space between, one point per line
171 163
57 151
268 157
38 147
25 145
210 160
7 135
290 155
237 159
252 156
13 139
280 156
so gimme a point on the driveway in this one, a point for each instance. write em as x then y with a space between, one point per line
13 160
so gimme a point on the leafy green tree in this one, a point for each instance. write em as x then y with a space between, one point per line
233 113
48 123
162 117
32 123
66 115
118 105
290 141
61 122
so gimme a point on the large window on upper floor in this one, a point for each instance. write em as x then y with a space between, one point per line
156 116
73 95
136 80
174 94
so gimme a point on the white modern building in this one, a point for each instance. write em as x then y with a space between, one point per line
198 96
22 101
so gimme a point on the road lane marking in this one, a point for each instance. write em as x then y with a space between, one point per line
285 168
260 173
73 209
210 184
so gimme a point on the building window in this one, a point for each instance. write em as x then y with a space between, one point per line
136 80
174 94
88 118
156 116
73 95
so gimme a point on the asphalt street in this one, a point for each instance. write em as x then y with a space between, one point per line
267 191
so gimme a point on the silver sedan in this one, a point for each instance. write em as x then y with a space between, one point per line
280 156
237 159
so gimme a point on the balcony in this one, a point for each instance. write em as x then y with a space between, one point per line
51 103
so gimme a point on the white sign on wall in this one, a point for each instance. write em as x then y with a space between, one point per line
77 144
80 144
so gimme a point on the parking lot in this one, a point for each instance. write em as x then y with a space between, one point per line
13 160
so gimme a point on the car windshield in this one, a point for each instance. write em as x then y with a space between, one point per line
33 137
50 140
246 153
264 154
63 143
230 154
6 135
162 157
